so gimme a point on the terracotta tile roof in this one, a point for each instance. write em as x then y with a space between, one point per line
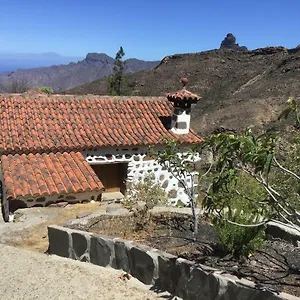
70 123
183 95
47 174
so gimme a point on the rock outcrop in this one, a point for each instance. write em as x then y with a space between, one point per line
229 42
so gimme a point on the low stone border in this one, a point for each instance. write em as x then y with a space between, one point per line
274 230
164 271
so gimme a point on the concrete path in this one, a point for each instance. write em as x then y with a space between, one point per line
27 275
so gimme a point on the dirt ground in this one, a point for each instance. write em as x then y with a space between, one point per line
32 275
276 266
29 229
29 275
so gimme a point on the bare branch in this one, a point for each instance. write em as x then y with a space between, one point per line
290 222
285 169
208 170
247 225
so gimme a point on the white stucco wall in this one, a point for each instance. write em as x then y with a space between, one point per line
139 165
182 118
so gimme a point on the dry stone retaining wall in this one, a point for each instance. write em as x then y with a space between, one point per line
164 271
71 198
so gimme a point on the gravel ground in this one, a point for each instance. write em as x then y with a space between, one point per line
27 275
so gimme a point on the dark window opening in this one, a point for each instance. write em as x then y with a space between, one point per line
113 176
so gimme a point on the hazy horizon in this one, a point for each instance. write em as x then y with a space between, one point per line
148 30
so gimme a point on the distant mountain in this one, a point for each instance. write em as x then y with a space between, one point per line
238 88
10 62
61 77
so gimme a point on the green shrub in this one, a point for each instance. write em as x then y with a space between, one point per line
45 89
288 186
241 208
238 240
245 194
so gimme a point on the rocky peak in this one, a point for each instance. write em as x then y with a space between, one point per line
98 57
229 42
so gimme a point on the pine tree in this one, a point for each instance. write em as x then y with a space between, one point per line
117 77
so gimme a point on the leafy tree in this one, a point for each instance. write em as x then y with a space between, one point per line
251 182
258 157
182 165
117 78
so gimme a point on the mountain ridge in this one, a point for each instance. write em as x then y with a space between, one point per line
64 76
238 88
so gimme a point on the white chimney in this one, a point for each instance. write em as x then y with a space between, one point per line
181 116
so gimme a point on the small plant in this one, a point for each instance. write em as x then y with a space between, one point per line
236 217
143 196
239 240
292 109
45 89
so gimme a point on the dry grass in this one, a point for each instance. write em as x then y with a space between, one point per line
36 237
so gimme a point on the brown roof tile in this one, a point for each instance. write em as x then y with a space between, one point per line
60 123
183 95
29 175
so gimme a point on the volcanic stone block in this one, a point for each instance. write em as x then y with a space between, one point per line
235 291
202 285
80 243
59 241
121 255
41 199
142 265
102 252
168 272
184 268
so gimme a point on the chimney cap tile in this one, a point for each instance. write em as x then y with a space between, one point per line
183 95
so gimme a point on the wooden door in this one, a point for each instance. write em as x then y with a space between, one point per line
111 175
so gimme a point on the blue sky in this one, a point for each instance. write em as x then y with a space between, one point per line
145 29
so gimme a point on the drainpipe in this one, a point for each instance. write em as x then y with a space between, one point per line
4 204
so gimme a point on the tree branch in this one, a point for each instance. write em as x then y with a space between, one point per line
247 225
285 169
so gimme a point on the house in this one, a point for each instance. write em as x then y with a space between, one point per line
72 148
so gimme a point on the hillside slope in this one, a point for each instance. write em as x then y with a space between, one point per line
237 88
61 77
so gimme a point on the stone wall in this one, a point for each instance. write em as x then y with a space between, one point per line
140 165
165 272
47 200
